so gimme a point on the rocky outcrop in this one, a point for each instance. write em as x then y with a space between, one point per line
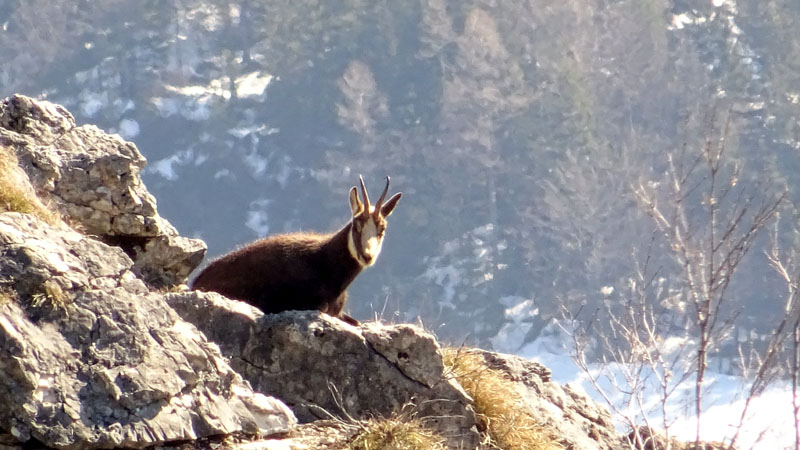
90 355
93 180
322 367
577 420
93 354
93 359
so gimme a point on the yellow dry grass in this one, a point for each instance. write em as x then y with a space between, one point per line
397 433
7 296
13 196
502 416
50 296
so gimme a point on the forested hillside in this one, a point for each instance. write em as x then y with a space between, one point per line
533 141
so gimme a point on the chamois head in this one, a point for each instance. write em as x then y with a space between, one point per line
368 225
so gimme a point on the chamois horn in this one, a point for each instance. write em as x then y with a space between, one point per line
364 194
380 200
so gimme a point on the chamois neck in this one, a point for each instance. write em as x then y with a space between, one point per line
339 244
339 261
340 236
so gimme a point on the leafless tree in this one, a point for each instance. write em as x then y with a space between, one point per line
363 104
787 265
710 221
678 307
632 340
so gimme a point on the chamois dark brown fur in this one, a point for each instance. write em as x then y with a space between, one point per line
303 271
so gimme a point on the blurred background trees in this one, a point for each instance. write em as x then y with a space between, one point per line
516 130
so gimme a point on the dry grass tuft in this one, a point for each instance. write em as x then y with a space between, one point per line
173 288
51 297
7 296
397 433
13 196
502 417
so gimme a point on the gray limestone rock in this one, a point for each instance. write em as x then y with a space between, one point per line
93 359
322 367
93 180
578 421
319 435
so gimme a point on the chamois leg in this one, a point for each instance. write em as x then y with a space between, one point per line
335 308
347 319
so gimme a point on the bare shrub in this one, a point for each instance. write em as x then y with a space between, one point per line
678 308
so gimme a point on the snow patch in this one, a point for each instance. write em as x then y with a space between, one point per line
197 112
243 131
518 313
448 277
216 87
121 106
770 420
680 21
193 101
128 129
166 107
93 102
257 217
282 177
257 163
222 173
252 85
167 167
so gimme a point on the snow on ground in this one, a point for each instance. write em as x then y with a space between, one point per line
92 102
518 310
252 84
128 129
257 217
769 424
167 167
448 277
252 130
256 162
166 107
194 102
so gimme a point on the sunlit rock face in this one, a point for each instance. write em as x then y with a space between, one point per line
93 356
94 359
321 366
92 179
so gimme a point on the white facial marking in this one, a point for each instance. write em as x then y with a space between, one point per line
370 242
351 246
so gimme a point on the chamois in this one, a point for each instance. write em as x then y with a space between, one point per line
304 271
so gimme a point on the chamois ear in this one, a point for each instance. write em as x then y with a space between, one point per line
355 203
388 207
